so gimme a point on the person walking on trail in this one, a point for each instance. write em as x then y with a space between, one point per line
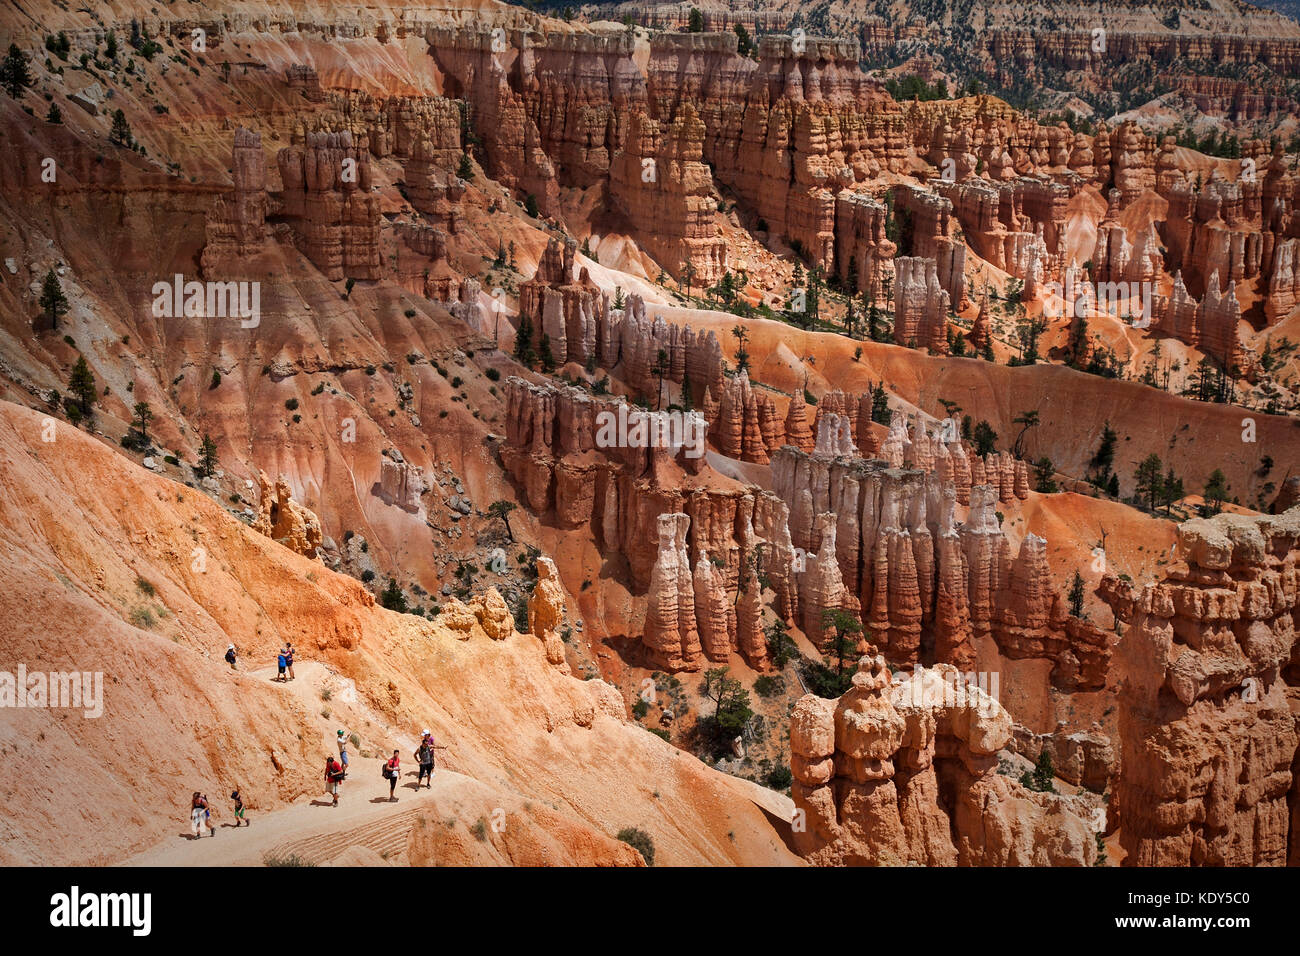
343 749
334 775
230 656
199 817
392 772
282 662
288 658
239 808
424 757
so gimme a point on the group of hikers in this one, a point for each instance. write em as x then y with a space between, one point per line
284 661
336 768
336 771
201 814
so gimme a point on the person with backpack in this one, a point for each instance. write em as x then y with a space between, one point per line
424 757
391 773
288 658
230 656
334 775
199 816
343 749
282 663
239 808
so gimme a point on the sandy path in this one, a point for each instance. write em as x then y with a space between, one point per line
313 829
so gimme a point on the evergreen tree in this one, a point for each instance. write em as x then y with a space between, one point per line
1148 479
744 45
55 115
1076 596
52 300
120 134
142 417
879 405
393 598
82 386
985 438
1043 481
15 77
1104 459
659 370
524 342
1216 491
1171 488
695 22
207 457
465 168
843 643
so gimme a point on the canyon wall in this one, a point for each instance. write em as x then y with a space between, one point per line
1206 718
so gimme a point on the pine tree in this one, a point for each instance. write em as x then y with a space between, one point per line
52 300
1043 471
985 438
1172 489
120 134
879 405
1216 491
143 415
207 457
524 341
659 370
1148 479
82 385
14 75
465 169
393 598
1076 596
55 115
1104 459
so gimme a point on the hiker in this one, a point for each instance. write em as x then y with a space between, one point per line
283 663
391 772
239 808
230 656
343 750
424 757
199 816
288 658
334 775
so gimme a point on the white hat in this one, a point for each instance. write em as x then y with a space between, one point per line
230 647
424 733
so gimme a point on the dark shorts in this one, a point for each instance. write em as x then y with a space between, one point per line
426 770
282 670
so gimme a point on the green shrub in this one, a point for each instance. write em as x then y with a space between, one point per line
640 841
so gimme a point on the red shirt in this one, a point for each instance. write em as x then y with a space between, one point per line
393 763
332 768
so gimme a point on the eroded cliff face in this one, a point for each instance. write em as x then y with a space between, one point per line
902 770
1207 728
